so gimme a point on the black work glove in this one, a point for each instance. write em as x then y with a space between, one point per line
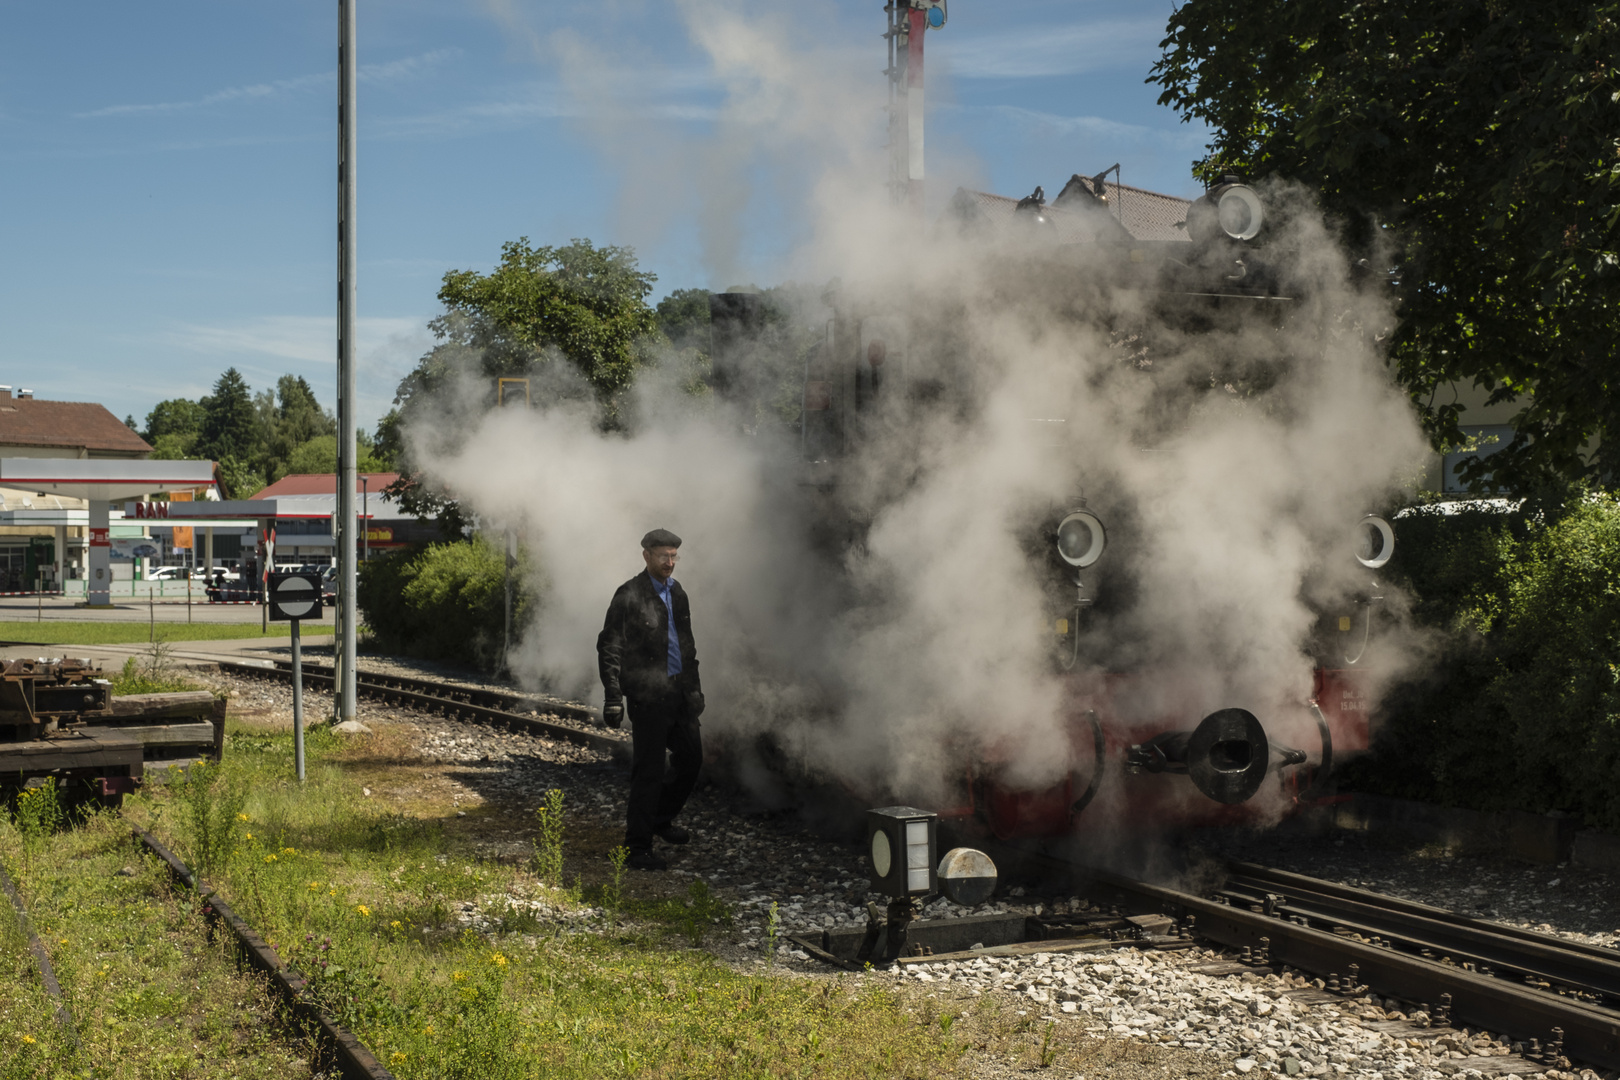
694 703
613 712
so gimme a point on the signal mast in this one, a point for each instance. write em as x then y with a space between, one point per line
909 21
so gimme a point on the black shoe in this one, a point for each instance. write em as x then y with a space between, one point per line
672 834
644 859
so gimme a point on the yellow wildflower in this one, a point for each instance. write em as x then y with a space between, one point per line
314 886
458 975
396 1058
243 817
289 851
498 960
250 836
394 925
428 1030
269 858
61 941
28 1038
362 909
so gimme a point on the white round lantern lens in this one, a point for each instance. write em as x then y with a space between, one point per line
882 857
1240 213
1375 542
1081 539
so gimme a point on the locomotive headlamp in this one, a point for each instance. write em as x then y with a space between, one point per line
1231 210
1375 541
1081 538
1238 209
901 841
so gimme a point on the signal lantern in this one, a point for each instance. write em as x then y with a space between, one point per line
934 11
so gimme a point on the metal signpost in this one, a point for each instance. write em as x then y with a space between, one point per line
343 522
293 598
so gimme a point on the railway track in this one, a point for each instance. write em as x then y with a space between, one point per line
1560 998
516 712
1586 973
1557 997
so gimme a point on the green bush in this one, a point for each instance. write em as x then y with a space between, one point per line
442 602
1520 706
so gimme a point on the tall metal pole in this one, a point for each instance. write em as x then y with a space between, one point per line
343 523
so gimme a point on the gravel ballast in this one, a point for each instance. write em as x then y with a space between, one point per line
1232 1025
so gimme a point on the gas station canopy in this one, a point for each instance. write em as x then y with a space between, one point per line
104 479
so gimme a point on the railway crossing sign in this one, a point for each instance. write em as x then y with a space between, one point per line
295 596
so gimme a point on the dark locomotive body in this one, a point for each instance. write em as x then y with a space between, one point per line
1141 748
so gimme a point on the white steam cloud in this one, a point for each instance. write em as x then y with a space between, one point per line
902 621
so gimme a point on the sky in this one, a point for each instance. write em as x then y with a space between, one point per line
168 171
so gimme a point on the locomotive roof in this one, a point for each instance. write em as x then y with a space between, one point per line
1078 216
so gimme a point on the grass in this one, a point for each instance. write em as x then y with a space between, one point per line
545 981
64 632
150 996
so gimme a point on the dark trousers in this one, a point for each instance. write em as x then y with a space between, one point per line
660 723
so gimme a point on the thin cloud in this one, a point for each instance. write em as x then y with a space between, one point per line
307 345
537 103
1042 51
1191 135
392 72
307 338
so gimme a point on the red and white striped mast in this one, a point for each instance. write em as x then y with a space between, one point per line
909 22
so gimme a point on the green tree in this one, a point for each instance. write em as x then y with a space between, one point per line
228 427
1468 147
386 446
319 455
585 303
289 420
574 320
683 317
176 416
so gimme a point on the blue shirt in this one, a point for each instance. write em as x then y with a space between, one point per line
662 589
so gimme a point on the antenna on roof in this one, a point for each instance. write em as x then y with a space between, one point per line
1101 192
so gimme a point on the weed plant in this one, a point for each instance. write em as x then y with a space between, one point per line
212 811
150 995
374 911
613 891
149 675
548 839
773 926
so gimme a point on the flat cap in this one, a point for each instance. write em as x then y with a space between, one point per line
660 538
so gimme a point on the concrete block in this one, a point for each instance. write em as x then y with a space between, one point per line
1596 850
1538 838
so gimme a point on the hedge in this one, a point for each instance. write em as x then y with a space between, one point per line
1520 706
443 602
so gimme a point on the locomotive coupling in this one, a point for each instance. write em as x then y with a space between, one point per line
1227 756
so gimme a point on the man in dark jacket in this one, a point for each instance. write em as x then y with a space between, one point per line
648 661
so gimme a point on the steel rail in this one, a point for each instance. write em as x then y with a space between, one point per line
47 973
453 700
1586 1033
339 1045
1507 950
494 699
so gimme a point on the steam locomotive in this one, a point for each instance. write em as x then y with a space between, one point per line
1147 273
